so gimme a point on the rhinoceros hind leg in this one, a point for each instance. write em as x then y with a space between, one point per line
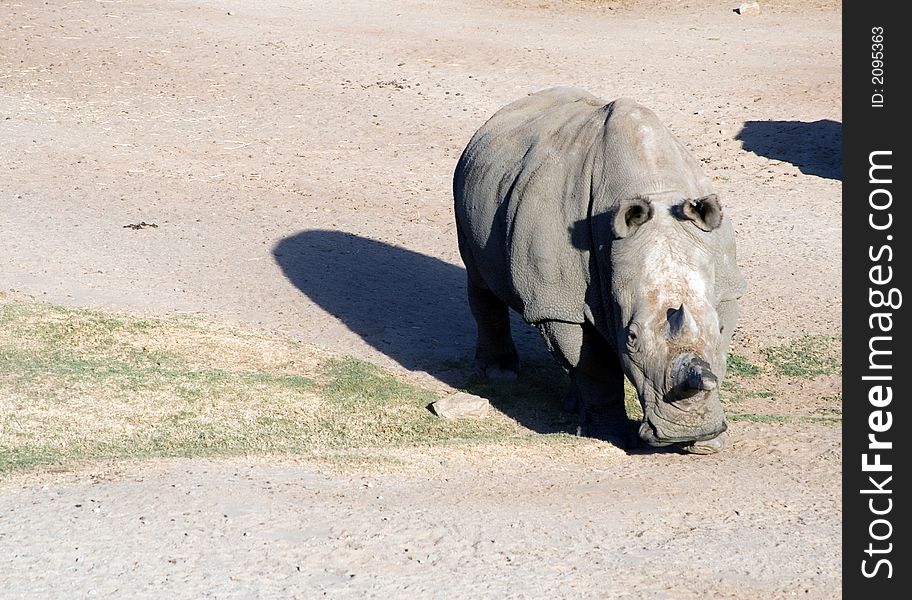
495 353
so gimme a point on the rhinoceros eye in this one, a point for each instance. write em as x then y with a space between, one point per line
633 337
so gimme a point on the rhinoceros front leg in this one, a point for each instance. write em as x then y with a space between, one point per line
601 407
495 353
597 381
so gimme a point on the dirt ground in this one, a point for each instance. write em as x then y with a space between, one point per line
295 159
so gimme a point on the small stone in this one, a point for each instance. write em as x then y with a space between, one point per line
748 8
461 406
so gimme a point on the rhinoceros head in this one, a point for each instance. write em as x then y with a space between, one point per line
668 335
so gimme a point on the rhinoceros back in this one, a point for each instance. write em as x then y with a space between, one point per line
522 193
536 187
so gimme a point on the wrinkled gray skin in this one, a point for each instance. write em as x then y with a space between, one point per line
590 220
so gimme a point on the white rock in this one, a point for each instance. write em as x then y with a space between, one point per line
749 8
461 405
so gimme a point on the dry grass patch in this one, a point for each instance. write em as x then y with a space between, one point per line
81 384
85 385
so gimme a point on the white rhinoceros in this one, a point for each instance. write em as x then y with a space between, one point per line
595 224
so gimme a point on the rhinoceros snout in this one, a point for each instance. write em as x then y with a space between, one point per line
689 410
691 375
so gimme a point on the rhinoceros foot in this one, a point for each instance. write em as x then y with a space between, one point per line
502 366
623 438
706 446
495 373
610 426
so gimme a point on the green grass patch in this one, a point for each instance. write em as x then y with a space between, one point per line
776 419
632 402
809 356
80 384
822 419
739 366
755 418
733 392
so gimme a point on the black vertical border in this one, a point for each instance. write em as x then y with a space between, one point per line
867 129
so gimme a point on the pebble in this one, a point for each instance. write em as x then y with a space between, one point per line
749 8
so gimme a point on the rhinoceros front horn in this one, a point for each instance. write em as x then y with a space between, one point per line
692 375
682 327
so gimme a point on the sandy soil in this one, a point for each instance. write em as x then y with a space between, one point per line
296 158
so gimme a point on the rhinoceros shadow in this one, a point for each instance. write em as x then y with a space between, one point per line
814 147
413 308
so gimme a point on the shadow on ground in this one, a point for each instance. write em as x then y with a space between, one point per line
413 308
815 148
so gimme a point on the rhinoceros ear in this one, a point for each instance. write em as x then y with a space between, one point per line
630 215
705 212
